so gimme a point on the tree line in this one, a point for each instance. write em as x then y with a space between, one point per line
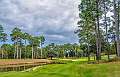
99 27
23 43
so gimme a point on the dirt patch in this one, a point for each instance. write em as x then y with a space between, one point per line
22 62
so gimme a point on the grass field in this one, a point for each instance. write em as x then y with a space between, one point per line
71 69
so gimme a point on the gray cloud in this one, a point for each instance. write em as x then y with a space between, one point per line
56 19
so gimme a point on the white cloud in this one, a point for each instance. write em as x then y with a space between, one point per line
55 18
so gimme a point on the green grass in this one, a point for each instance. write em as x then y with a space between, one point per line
104 57
79 59
71 69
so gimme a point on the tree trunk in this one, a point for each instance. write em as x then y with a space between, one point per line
41 51
37 56
32 52
98 38
20 53
17 50
2 52
25 50
88 53
118 37
106 27
117 28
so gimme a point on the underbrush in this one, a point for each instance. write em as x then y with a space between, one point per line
112 60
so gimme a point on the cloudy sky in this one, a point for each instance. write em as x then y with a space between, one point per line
56 19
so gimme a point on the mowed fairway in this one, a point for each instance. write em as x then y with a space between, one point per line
73 69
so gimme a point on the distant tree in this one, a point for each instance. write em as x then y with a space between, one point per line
8 50
116 5
25 38
42 40
3 38
106 22
16 36
34 42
